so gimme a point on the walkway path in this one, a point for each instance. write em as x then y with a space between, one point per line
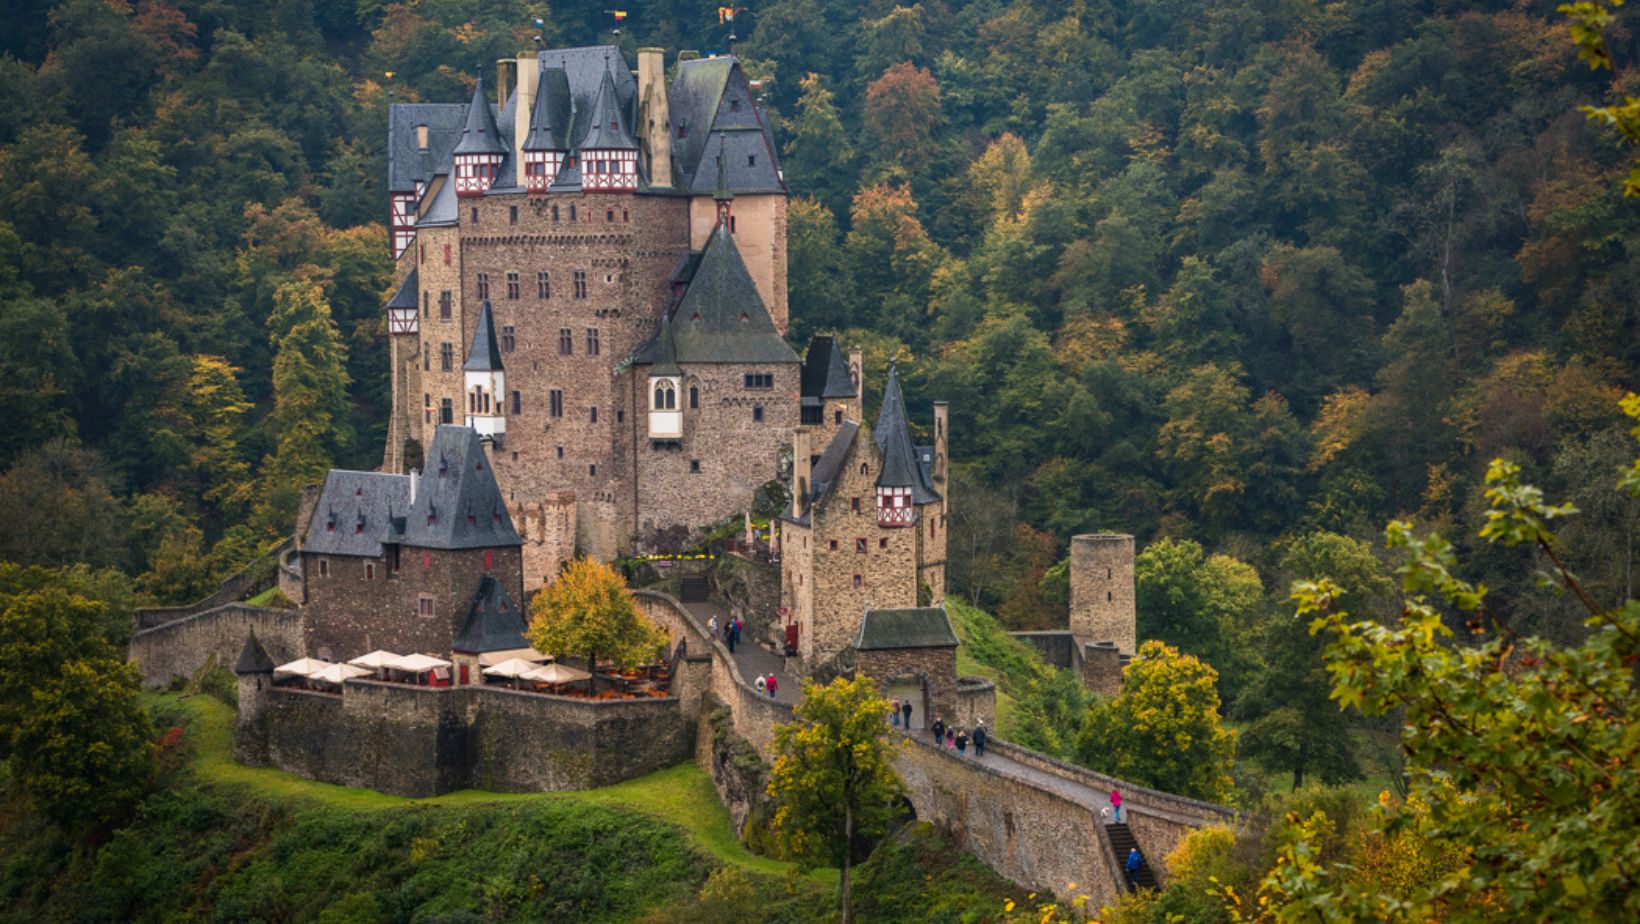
753 660
1072 790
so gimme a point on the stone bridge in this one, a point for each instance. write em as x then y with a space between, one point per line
1033 819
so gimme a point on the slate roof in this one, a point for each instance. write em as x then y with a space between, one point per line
912 627
494 621
662 355
825 371
900 465
550 119
253 658
485 355
458 503
479 132
443 210
703 103
824 474
406 162
606 123
405 296
353 512
721 317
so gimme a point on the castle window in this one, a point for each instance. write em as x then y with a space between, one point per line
369 571
580 280
626 215
324 567
421 137
833 544
837 417
757 413
427 561
731 224
592 470
694 466
489 560
734 105
426 361
555 213
572 213
543 286
882 543
446 254
854 504
512 215
811 416
474 215
620 416
330 526
446 411
1107 596
446 357
445 303
472 520
593 412
566 342
856 581
483 286
509 338
394 557
751 160
865 469
594 347
666 396
694 398
426 303
609 215
424 605
518 407
560 452
421 254
860 546
512 287
555 402
760 380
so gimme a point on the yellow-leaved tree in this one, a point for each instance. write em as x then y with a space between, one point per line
589 611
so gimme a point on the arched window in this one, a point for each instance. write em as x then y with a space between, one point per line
666 397
694 398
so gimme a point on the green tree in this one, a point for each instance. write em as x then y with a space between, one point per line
310 400
832 780
588 610
1522 752
1203 605
1163 729
818 151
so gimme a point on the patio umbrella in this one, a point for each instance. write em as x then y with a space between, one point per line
336 673
492 658
301 667
510 669
418 663
554 673
376 660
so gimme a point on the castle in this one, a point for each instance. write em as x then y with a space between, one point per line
591 274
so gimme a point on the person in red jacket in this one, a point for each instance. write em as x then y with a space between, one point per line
772 683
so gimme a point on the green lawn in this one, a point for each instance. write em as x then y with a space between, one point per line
681 796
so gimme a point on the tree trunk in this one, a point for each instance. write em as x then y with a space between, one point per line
1298 767
592 672
848 856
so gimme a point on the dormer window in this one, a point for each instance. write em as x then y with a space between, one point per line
665 420
734 105
421 137
894 506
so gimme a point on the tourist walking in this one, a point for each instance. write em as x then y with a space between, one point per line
734 634
979 739
1116 803
905 707
938 729
773 683
951 739
1134 860
711 626
894 712
760 683
962 742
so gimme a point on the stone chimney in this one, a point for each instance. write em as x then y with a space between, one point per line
800 471
529 77
655 117
942 454
857 368
505 70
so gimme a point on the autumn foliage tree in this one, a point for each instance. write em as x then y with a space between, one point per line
589 611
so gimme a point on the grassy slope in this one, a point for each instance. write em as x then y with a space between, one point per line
989 651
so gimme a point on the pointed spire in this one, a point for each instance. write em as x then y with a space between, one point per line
253 658
549 119
607 130
893 435
479 135
485 355
666 350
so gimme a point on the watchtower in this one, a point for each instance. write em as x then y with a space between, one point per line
1102 606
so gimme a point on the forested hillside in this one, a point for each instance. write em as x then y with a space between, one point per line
1225 272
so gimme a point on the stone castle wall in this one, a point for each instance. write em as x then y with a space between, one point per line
1102 607
548 528
180 647
760 235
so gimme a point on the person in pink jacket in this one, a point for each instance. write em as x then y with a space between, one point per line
1116 803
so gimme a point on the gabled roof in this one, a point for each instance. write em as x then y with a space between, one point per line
823 477
458 503
407 162
661 354
606 123
900 468
353 512
550 119
494 621
485 354
443 210
721 317
711 102
825 370
405 295
253 658
911 627
479 134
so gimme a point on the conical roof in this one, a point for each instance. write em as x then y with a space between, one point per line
607 129
893 435
662 352
479 134
550 119
485 355
825 370
721 317
253 658
494 621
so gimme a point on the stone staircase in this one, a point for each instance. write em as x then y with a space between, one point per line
1122 841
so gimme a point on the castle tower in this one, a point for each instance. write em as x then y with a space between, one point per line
477 156
609 155
255 671
1102 607
486 382
654 118
545 133
403 326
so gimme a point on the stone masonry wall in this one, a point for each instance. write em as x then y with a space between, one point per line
1102 607
935 668
548 529
760 235
179 648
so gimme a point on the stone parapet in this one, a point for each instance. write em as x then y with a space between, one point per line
181 647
